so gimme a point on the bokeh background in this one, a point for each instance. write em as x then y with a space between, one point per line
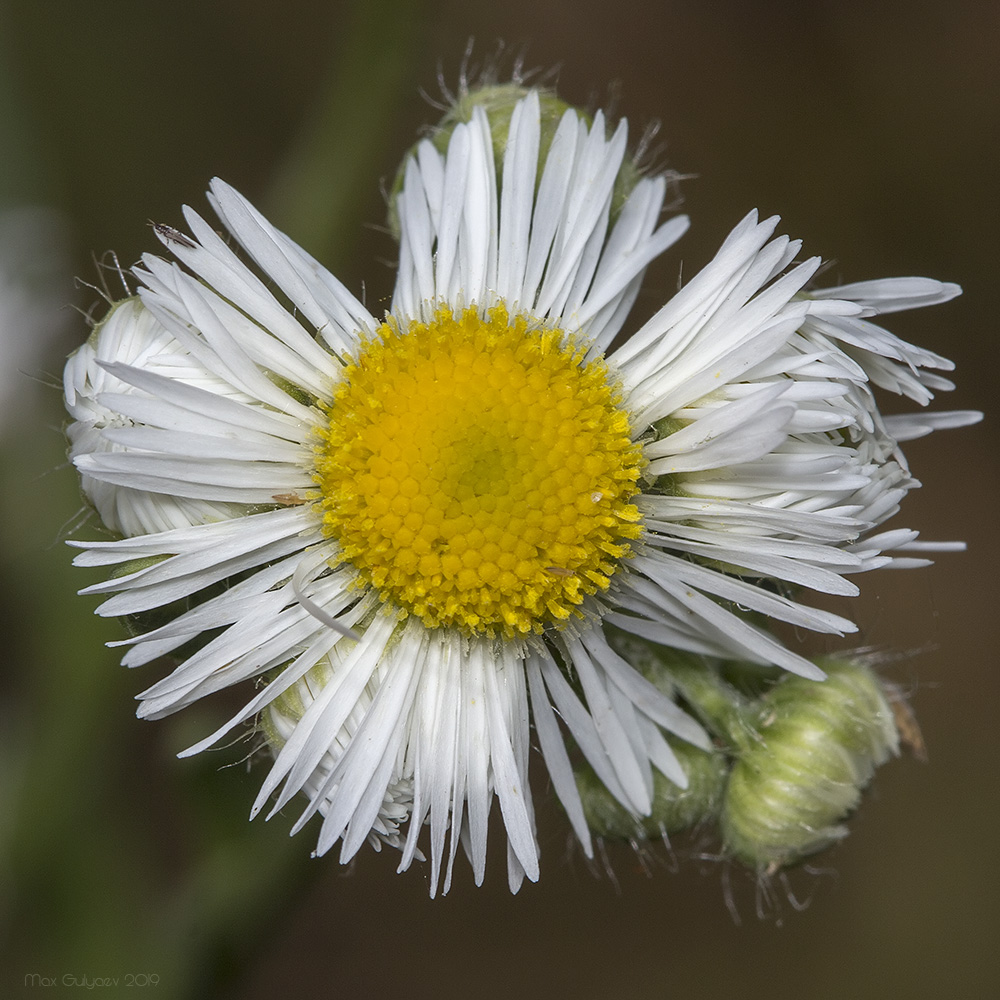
872 128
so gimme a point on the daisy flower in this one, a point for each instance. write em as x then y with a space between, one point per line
411 530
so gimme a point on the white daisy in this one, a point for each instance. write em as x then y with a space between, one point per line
423 523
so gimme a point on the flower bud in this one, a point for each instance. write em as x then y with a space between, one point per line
499 100
128 335
818 744
674 809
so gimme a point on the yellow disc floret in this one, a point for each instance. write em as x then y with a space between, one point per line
478 473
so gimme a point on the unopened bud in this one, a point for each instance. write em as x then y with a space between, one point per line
498 100
818 744
674 809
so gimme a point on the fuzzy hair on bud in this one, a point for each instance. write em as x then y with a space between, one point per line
817 747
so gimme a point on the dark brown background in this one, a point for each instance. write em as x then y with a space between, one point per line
872 129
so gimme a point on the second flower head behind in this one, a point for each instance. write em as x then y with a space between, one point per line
413 530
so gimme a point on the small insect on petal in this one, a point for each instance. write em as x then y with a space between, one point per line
170 235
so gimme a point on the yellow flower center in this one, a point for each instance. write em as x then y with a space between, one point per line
478 472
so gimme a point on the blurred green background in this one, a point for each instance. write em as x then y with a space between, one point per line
871 127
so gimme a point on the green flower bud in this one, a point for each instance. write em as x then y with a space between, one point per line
816 747
498 100
674 809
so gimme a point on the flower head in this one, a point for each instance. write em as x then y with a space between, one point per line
413 529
